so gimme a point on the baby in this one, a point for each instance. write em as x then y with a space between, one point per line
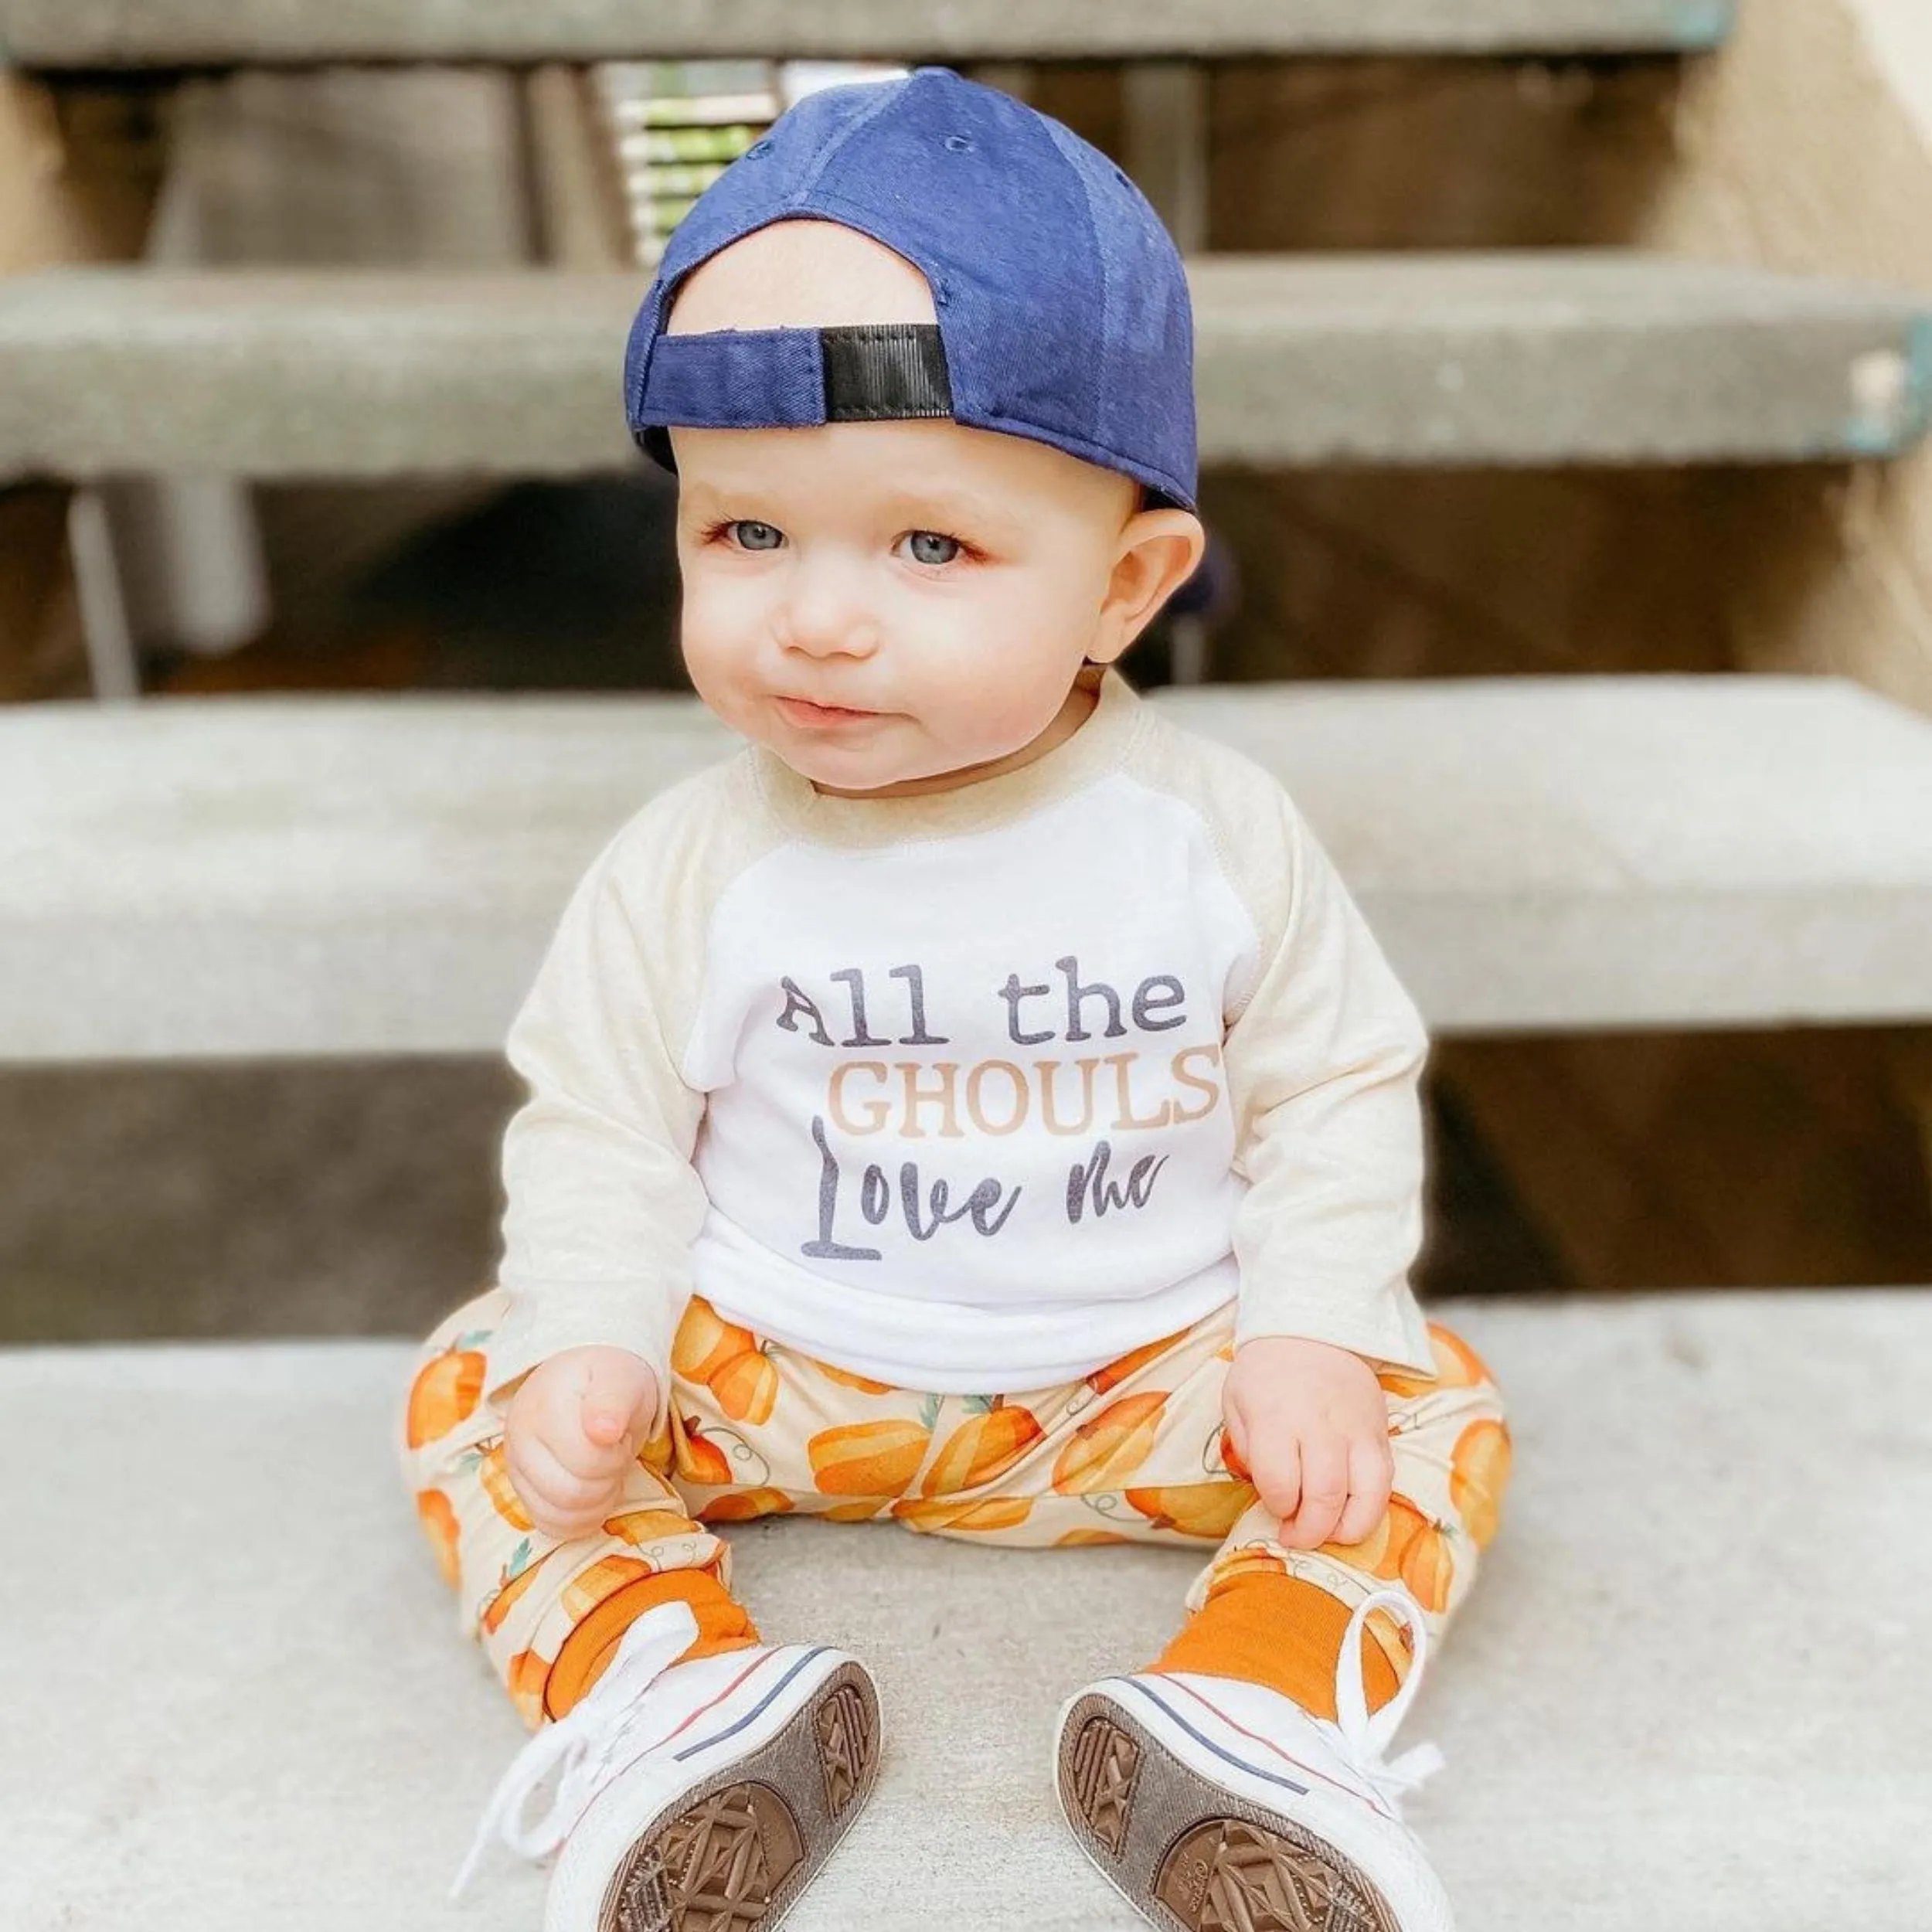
976 1105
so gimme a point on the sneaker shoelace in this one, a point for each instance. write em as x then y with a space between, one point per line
586 1742
1365 1739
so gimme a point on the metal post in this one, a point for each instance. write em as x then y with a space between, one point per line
103 611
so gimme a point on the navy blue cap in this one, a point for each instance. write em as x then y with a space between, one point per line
1063 307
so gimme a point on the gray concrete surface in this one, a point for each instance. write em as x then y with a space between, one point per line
1528 356
231 877
110 32
1689 1689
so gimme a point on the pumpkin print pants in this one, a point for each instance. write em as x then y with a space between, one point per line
1134 1453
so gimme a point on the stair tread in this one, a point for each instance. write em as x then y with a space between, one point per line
1522 356
323 875
1605 1687
113 32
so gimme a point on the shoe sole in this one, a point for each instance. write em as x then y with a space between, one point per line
1186 1853
734 1852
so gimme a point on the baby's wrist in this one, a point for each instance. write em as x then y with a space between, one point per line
1308 1347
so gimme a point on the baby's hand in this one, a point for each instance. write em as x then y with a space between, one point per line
571 1431
1312 1424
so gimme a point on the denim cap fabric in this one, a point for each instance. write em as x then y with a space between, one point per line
1062 307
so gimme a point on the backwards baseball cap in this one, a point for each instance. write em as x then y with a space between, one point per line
1062 307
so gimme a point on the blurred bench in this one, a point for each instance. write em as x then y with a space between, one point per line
305 876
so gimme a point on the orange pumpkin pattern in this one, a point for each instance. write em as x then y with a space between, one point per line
515 1577
743 1506
1115 1372
1478 1474
1396 1640
699 1459
1457 1366
639 1526
843 1379
589 1587
730 1360
438 1518
867 1511
528 1677
446 1391
1105 1452
867 1458
983 1518
983 1449
1208 1509
492 1471
746 1387
754 1430
705 1341
1406 1547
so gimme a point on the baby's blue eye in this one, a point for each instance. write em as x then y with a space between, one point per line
756 536
925 543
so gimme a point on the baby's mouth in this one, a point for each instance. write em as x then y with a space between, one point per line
805 711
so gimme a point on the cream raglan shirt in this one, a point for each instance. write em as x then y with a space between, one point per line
970 1092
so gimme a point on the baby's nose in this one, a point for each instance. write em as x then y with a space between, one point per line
826 615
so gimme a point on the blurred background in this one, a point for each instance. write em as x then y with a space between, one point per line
1565 370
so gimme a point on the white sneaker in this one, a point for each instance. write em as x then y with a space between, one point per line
1210 1803
691 1795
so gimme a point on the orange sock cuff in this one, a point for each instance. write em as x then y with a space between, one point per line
1282 1632
724 1623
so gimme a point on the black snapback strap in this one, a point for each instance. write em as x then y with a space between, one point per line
876 372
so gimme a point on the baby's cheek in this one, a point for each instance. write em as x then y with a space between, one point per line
725 681
995 697
714 630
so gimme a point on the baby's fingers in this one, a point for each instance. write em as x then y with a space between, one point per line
1324 1489
1371 1473
577 1455
559 1502
1276 1473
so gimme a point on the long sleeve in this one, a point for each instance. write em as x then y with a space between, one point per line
603 1201
1323 1062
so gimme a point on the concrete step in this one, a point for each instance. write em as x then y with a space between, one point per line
1681 1672
1526 357
230 876
111 33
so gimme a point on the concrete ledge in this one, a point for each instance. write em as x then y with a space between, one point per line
1691 1669
216 877
1525 357
256 32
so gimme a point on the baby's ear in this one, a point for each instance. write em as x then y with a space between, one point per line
1159 550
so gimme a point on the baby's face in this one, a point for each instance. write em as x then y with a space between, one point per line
879 603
